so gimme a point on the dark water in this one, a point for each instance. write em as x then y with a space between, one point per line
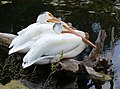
84 15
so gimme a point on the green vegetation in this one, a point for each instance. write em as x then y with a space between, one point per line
13 85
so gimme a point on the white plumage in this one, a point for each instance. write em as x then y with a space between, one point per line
27 36
44 41
52 46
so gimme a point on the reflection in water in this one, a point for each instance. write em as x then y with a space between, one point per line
96 27
5 2
116 62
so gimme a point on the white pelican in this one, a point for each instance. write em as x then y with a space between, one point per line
27 35
45 17
69 54
51 45
24 41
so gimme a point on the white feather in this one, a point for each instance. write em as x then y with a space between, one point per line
69 54
53 45
41 19
33 33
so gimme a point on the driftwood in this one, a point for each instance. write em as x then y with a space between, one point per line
112 47
5 39
95 54
71 64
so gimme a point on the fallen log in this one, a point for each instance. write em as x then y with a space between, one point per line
5 39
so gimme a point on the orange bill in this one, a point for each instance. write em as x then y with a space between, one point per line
54 20
83 38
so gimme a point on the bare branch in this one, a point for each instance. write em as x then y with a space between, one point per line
95 53
5 38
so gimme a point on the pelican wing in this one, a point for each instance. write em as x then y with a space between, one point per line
24 47
27 28
78 49
22 32
30 33
52 45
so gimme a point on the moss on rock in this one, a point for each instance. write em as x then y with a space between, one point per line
13 84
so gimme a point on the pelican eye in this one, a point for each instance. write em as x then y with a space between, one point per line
65 26
25 62
50 15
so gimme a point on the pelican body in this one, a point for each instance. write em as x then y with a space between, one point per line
23 42
46 41
30 34
50 46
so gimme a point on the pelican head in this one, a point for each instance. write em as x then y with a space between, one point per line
46 17
60 27
63 27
